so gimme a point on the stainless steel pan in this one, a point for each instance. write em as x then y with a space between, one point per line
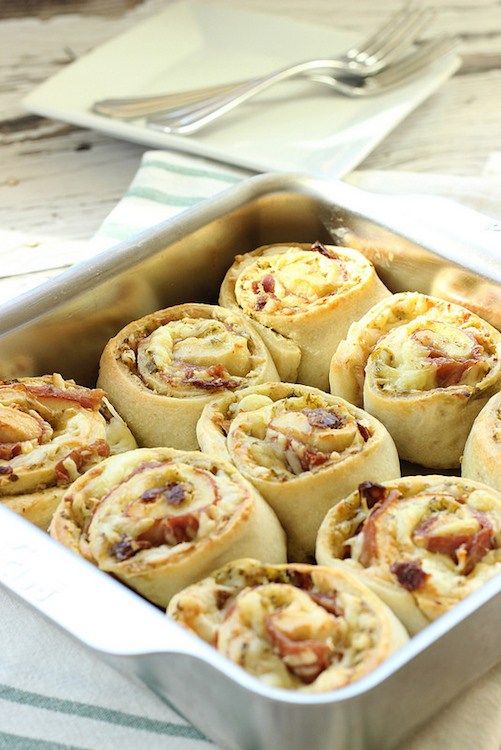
64 325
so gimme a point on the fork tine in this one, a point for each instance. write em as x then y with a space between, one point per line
381 34
402 37
414 62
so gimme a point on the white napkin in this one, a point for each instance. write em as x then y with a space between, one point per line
53 693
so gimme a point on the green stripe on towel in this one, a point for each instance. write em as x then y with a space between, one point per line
16 742
99 713
158 196
191 171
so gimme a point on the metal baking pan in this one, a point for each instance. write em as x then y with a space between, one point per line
63 327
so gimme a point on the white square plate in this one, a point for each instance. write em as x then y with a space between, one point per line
299 127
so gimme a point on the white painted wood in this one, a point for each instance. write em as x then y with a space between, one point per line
59 181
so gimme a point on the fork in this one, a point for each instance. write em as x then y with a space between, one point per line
365 59
190 119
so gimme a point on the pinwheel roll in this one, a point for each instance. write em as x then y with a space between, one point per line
482 453
299 627
161 370
160 519
421 543
301 299
51 431
301 448
426 368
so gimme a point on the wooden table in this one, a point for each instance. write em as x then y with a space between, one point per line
59 180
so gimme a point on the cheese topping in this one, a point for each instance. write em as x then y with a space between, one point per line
277 440
439 542
51 431
427 354
193 356
294 626
286 279
144 503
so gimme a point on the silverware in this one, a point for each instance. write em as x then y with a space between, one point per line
371 56
192 118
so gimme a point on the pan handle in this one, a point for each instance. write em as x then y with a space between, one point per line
82 600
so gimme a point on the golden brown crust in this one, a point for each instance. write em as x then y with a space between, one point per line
425 368
161 370
299 627
482 453
159 519
301 299
302 449
51 431
421 543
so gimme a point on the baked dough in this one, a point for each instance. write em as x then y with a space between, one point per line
161 370
482 453
303 450
299 627
51 431
421 543
301 299
160 519
425 368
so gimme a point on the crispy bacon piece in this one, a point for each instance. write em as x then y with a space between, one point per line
300 579
476 545
372 493
127 548
369 543
409 574
10 450
323 418
291 652
311 458
217 378
450 371
320 248
326 601
268 283
363 431
260 303
173 530
222 596
86 397
173 493
80 457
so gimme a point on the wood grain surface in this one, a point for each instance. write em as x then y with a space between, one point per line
60 180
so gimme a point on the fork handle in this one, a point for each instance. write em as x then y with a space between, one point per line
140 106
191 118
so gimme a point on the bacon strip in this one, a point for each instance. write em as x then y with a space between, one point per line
372 493
173 493
327 601
476 545
86 397
450 371
369 543
310 458
320 248
80 457
409 574
172 531
324 418
291 652
10 450
363 431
